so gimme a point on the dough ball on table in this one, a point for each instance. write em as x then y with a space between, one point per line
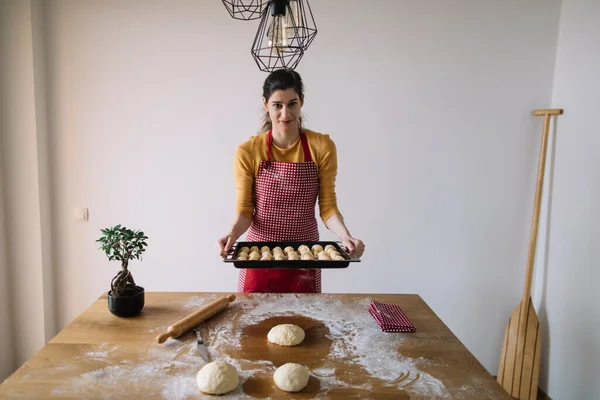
254 256
245 249
217 377
254 249
303 248
265 249
288 249
291 377
266 256
286 335
307 256
316 249
323 256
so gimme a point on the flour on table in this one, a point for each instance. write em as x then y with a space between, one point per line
353 331
101 353
201 301
172 366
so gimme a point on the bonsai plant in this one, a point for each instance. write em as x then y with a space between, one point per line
125 298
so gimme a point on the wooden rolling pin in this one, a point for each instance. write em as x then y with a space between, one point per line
187 323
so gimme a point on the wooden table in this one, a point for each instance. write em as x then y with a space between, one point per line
102 356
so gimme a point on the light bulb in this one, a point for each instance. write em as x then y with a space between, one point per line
277 31
293 19
285 17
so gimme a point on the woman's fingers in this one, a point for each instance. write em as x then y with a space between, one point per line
359 247
222 245
229 243
348 244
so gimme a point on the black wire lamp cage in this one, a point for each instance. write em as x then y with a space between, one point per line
245 10
286 30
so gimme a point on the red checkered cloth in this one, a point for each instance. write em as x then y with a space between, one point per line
390 317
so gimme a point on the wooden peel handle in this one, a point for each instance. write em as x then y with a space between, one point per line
183 325
548 111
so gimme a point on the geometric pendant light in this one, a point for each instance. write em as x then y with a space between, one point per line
286 30
302 15
245 9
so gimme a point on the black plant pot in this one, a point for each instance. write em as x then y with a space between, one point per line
128 304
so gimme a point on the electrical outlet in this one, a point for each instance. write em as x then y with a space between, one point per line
81 214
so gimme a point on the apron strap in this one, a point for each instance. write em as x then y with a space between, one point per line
303 140
269 143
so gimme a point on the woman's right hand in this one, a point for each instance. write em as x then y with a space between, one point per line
225 243
239 226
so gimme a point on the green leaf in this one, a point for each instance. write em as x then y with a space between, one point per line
121 243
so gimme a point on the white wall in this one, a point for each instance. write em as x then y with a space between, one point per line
570 360
7 356
7 360
429 104
27 286
44 168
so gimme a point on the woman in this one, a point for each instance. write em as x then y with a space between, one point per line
279 174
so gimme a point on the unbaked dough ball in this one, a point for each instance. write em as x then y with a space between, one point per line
306 256
338 258
254 256
303 248
330 248
291 377
277 250
254 249
292 255
286 335
288 249
334 253
323 256
265 248
217 377
242 258
243 254
316 249
278 256
266 256
246 249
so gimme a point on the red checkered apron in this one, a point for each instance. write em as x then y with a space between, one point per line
285 196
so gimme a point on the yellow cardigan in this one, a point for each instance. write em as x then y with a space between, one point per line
249 155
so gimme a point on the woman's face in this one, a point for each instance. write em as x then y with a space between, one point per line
284 109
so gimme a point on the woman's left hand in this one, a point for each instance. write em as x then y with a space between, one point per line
355 246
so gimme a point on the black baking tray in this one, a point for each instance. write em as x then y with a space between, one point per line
231 256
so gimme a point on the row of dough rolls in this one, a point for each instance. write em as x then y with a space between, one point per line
316 252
